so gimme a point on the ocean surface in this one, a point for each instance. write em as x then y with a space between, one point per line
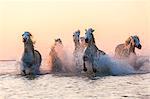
67 86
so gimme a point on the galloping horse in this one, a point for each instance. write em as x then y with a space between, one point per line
127 50
124 50
78 51
91 51
76 39
55 59
31 58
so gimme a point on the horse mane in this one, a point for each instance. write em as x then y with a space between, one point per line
93 38
127 42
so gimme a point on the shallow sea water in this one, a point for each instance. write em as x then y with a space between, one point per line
50 86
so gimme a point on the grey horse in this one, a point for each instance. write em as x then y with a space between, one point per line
78 51
76 39
124 50
91 51
31 58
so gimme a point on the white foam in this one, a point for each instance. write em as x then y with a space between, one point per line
116 66
123 66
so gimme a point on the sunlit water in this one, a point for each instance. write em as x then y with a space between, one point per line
49 86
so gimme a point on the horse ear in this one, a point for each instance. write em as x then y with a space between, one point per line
127 42
30 34
55 40
93 30
79 32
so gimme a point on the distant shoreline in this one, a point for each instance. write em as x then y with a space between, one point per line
7 60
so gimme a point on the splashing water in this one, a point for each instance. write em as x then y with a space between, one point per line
65 59
110 64
123 66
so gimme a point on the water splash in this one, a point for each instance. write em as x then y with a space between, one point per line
107 63
123 66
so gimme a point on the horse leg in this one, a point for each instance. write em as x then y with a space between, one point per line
94 69
84 67
23 69
84 59
31 75
23 73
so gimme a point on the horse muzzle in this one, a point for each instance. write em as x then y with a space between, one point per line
139 46
24 40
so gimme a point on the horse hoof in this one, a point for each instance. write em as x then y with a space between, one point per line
23 73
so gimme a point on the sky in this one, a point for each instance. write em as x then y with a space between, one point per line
113 20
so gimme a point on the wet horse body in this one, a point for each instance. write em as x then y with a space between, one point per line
58 55
55 59
31 59
124 50
127 50
78 51
91 52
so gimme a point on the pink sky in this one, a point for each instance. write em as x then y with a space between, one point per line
113 20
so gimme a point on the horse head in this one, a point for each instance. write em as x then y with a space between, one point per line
89 35
58 41
134 41
76 36
26 36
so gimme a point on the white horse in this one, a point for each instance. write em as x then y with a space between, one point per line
31 58
98 62
79 50
91 52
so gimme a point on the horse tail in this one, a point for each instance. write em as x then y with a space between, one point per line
39 55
